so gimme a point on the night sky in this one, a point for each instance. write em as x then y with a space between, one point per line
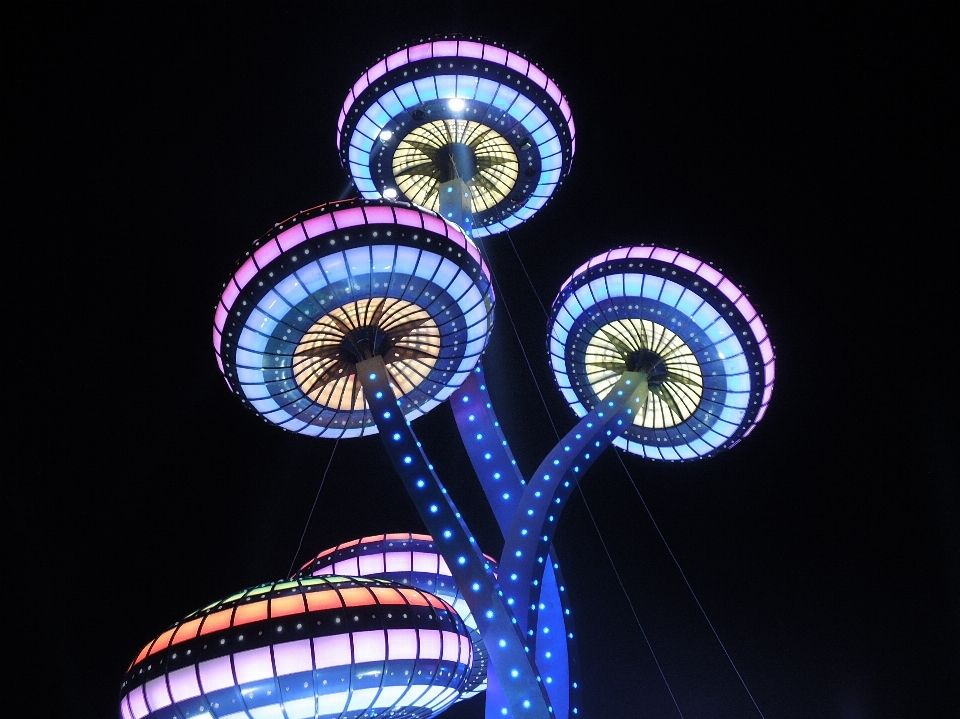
808 150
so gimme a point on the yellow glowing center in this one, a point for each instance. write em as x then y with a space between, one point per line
422 158
328 377
676 385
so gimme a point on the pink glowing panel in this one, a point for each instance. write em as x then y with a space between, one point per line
769 372
470 49
640 251
371 564
445 48
565 110
349 218
289 239
766 350
348 102
759 331
246 272
466 650
420 52
515 62
402 643
323 570
331 651
377 71
125 708
687 262
360 85
763 411
553 91
746 309
537 75
223 371
730 290
434 224
495 54
409 218
398 561
267 254
664 255
253 665
397 59
347 567
369 646
230 293
451 646
157 694
138 705
618 254
293 657
379 215
319 225
216 674
220 318
343 116
429 643
709 274
767 392
423 562
184 684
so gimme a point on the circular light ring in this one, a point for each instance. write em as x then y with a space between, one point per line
284 317
305 648
500 90
658 288
411 560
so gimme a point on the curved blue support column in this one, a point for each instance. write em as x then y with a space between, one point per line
523 691
527 543
503 485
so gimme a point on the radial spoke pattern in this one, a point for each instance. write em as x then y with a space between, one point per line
422 157
706 350
676 382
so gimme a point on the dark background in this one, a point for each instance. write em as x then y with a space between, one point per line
808 150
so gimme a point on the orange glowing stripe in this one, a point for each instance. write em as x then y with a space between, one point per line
162 641
388 596
425 537
349 544
187 631
253 612
436 601
374 538
415 598
357 597
143 653
325 552
285 606
216 621
323 600
398 536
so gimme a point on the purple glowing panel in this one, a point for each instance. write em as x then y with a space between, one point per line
380 124
349 274
325 659
710 360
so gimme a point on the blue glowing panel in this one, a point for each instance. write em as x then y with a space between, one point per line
371 278
300 649
711 361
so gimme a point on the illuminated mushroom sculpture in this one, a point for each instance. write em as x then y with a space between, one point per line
660 354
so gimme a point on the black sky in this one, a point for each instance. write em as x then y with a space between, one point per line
808 150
